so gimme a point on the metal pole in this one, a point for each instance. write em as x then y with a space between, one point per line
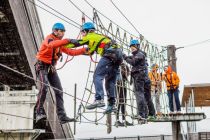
193 101
193 110
75 103
190 111
186 109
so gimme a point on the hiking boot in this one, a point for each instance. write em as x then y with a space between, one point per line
141 120
171 113
159 114
118 123
178 112
40 117
135 116
128 124
110 109
95 104
65 119
139 117
151 118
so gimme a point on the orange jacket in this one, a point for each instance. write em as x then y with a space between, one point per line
51 45
171 78
155 78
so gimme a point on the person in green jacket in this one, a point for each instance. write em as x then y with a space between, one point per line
108 65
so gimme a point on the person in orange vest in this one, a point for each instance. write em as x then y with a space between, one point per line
50 51
172 82
156 87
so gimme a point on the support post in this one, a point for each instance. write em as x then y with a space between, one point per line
193 110
109 123
176 130
75 103
171 55
162 137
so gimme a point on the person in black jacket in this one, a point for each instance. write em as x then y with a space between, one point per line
121 92
139 76
151 115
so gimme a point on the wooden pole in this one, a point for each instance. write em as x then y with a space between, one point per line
171 55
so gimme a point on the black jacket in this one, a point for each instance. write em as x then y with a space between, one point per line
137 61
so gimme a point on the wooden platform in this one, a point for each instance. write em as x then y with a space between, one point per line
180 117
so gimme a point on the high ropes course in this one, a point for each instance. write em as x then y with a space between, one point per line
156 54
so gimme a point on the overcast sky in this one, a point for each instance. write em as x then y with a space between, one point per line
163 22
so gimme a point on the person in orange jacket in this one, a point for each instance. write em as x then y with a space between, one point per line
156 87
172 82
50 51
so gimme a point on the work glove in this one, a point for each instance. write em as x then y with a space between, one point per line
74 41
172 88
86 51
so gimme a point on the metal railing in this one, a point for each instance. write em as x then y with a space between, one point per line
158 137
191 136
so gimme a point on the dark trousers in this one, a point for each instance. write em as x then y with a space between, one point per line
174 94
108 71
122 95
47 76
139 81
147 94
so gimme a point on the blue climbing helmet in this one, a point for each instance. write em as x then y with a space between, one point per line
88 26
134 43
155 66
58 26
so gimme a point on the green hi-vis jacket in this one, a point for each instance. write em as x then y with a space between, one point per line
94 42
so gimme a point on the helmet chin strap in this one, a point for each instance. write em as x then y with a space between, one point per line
137 47
56 35
88 31
91 30
135 52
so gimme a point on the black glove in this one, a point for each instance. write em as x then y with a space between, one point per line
171 87
87 49
74 41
